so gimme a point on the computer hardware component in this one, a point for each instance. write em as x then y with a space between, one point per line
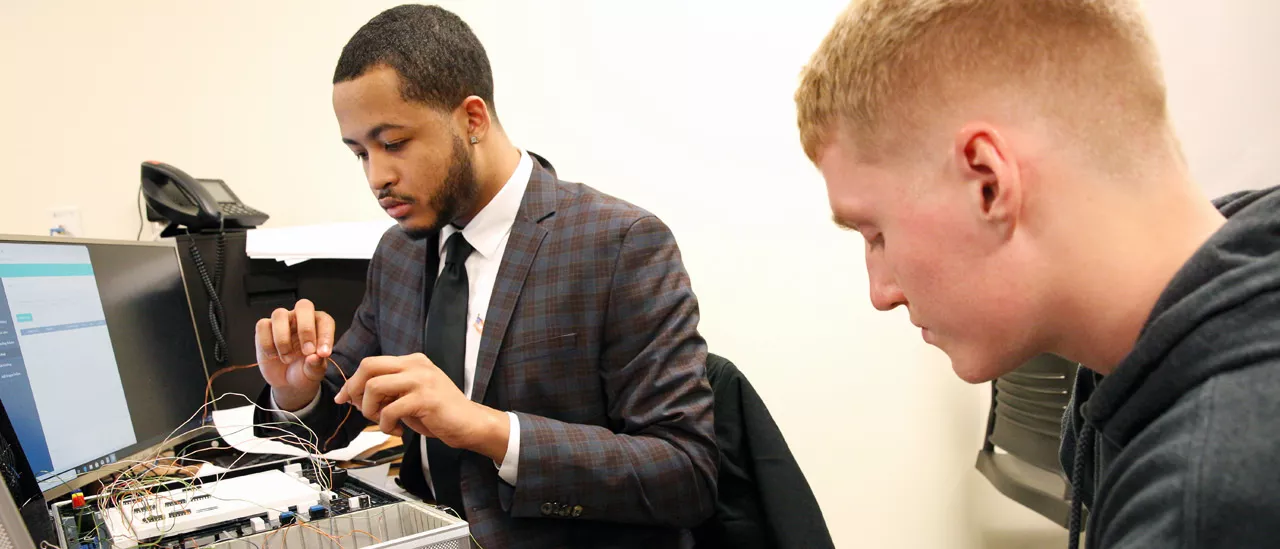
219 510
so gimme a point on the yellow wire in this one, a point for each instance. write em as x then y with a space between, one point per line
449 510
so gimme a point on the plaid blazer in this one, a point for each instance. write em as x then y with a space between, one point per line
591 339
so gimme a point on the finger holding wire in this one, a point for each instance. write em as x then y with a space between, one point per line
389 420
383 390
353 390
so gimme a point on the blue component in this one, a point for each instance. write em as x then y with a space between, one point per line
316 510
287 518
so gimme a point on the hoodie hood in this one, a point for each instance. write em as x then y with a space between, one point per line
1194 332
1238 262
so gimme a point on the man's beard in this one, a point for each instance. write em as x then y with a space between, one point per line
456 196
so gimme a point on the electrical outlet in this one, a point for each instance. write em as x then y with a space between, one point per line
67 220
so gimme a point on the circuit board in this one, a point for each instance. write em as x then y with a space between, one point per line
164 519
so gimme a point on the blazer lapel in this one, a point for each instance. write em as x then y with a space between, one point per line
431 267
423 255
527 234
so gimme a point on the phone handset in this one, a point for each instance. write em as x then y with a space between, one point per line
178 197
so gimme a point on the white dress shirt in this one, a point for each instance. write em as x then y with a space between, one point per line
487 233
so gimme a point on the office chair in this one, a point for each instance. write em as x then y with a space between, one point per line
1026 422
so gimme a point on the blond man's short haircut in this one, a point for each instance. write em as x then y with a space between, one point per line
891 66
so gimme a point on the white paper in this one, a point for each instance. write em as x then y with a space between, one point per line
376 475
293 245
379 475
207 468
235 426
363 442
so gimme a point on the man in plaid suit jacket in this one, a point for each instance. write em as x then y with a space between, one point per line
585 419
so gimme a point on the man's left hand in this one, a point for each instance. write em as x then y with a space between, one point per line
389 390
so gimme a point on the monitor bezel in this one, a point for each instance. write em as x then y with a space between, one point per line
194 429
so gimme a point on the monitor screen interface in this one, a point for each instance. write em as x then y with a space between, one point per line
98 352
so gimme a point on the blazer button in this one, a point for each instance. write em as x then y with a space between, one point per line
564 511
548 508
577 511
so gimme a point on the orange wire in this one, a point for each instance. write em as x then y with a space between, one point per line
349 406
208 394
333 538
375 538
208 388
266 542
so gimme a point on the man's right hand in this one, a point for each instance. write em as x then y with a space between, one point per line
293 348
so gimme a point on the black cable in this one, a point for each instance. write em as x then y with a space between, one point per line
142 220
213 287
220 349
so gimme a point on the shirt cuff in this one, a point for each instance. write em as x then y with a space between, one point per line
510 467
282 415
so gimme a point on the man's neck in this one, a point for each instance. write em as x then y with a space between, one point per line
495 160
1122 267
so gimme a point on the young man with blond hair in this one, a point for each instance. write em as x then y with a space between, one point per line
1013 169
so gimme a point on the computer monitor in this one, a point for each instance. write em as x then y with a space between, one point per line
22 488
99 359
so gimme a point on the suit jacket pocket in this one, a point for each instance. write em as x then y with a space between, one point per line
539 349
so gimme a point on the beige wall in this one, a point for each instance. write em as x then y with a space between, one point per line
682 107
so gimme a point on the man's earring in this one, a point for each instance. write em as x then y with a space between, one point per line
474 140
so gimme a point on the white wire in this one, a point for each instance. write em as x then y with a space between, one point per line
126 483
310 448
313 456
198 411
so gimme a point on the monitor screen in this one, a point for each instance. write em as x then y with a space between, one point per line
98 352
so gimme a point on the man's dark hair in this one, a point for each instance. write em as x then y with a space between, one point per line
439 60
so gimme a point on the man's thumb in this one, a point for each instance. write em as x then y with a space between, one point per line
314 370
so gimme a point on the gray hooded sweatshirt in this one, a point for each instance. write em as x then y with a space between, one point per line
1180 446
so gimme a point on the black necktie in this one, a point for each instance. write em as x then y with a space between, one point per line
445 343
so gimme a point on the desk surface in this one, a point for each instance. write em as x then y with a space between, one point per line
384 475
390 443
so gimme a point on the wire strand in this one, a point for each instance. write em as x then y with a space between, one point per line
141 487
350 407
142 220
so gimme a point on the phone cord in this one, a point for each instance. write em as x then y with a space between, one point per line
213 286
